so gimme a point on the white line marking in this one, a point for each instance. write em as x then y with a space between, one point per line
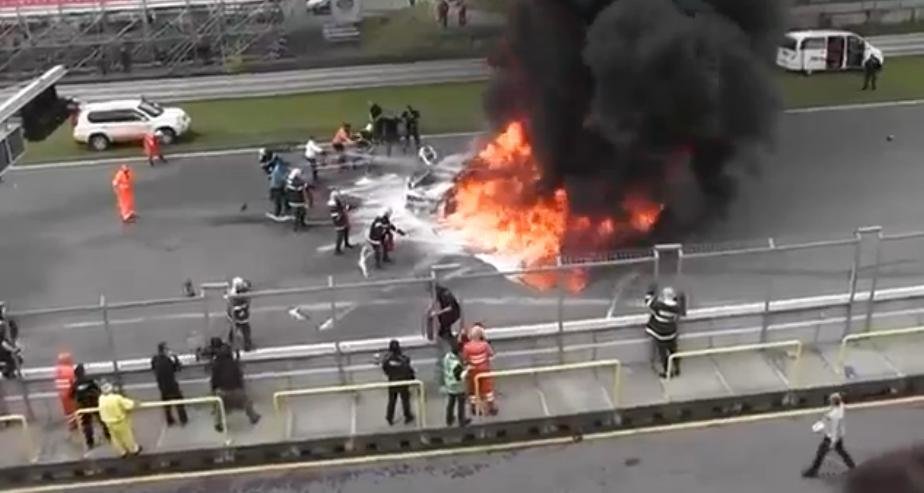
329 323
857 106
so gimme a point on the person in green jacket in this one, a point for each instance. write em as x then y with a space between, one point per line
453 386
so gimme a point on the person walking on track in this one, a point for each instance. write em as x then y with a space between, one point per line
832 425
123 184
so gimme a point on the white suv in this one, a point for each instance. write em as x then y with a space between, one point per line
101 124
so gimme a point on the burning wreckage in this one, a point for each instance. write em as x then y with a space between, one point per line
614 121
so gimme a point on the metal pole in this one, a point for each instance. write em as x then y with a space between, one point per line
561 314
111 339
206 316
854 273
871 301
339 357
333 305
657 265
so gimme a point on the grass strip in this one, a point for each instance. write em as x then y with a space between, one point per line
444 107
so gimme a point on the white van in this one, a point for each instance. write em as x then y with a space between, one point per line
102 124
818 51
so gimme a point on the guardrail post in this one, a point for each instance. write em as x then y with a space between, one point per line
871 301
855 272
206 316
561 312
110 337
768 296
339 357
333 309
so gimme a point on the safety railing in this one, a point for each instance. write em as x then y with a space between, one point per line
28 447
216 401
661 258
791 382
538 370
279 398
842 352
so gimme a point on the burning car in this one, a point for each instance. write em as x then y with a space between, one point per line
429 187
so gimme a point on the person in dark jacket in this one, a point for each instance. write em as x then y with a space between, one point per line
665 310
10 351
166 365
447 311
340 217
411 119
277 170
298 198
397 367
871 68
228 384
390 135
86 392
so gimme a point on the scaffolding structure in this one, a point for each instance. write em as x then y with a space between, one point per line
106 36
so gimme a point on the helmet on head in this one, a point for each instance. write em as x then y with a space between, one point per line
238 283
262 152
669 294
295 173
106 387
386 212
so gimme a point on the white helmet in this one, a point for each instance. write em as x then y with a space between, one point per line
668 294
295 173
237 284
262 153
334 195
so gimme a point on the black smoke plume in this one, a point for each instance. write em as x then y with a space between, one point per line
640 96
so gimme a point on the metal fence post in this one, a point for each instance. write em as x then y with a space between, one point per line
768 296
855 272
657 264
339 357
871 301
206 316
333 309
111 339
561 312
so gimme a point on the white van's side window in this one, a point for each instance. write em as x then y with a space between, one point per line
814 44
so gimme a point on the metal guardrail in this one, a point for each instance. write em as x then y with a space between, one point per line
537 370
280 397
27 443
842 353
791 383
216 401
659 260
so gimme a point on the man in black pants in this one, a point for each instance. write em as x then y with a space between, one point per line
665 310
339 216
447 311
411 119
86 392
165 366
871 68
397 367
832 425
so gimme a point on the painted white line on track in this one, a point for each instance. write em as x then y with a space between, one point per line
231 152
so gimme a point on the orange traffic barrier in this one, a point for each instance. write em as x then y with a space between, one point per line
123 184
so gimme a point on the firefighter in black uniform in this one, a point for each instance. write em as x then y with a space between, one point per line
871 68
239 311
340 217
380 241
166 365
390 133
397 367
86 392
375 112
666 309
411 119
298 198
10 351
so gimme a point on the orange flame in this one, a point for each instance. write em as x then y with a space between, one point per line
498 209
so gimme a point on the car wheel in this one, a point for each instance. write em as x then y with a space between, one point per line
99 142
167 135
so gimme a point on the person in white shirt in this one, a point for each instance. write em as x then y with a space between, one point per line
313 153
832 425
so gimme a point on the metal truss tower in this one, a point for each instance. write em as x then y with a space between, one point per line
156 36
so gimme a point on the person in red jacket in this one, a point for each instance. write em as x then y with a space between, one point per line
64 382
477 354
152 148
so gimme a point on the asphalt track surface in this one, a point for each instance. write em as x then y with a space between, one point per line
761 457
62 244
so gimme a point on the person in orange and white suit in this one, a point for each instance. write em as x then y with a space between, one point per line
477 354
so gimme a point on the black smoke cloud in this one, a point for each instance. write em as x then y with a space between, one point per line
610 90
